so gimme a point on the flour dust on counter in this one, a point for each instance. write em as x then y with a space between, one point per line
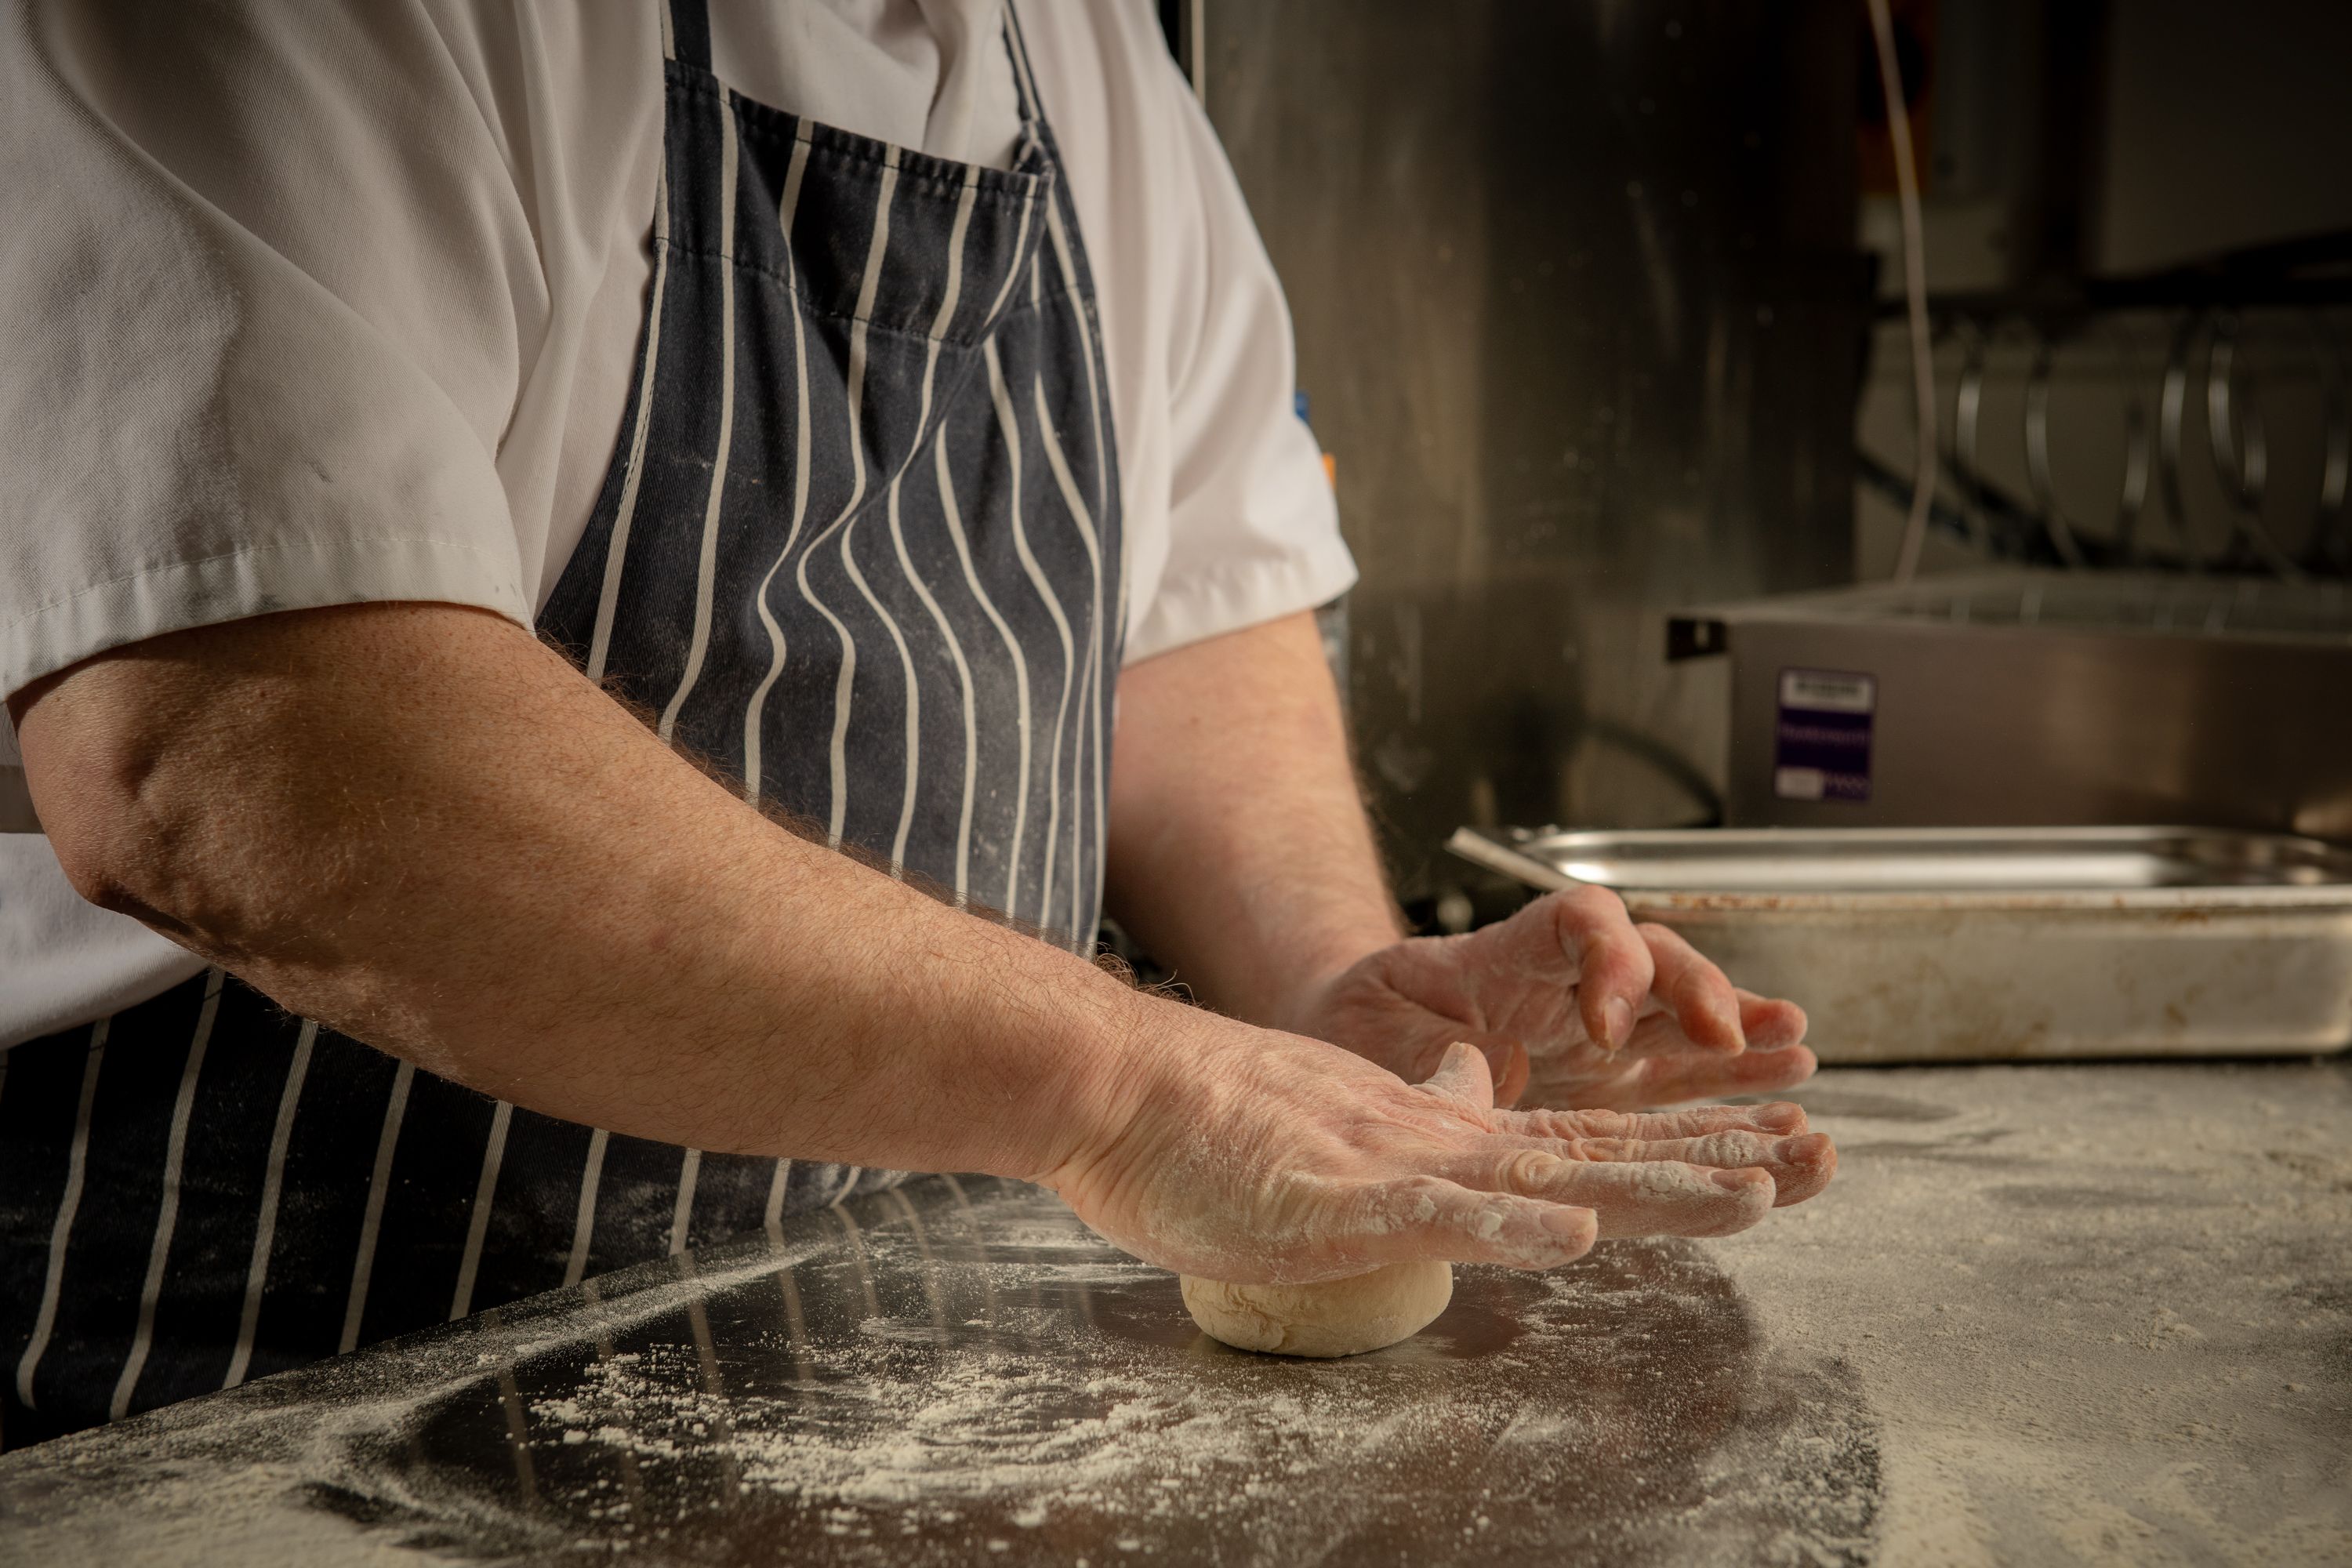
960 1371
2103 1313
279 1472
2047 1315
991 1383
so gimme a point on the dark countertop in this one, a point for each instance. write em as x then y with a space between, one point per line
2046 1314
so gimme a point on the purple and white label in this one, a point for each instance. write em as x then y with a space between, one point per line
1821 749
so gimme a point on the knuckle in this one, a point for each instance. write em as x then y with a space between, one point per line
1531 1168
1592 903
1731 1150
1411 1201
1488 1219
1298 1202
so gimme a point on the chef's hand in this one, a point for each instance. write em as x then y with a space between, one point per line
1245 1154
1574 1005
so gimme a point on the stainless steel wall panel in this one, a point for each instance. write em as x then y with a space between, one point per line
1578 313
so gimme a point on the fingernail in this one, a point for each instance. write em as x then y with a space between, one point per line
1780 1118
1727 1018
1737 1181
1567 1222
1619 1018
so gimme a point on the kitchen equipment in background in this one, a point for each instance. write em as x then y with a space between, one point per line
2230 382
1975 944
2035 696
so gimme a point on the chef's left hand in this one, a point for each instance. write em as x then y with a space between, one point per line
1574 1005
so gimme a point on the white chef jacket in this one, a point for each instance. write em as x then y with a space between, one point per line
318 304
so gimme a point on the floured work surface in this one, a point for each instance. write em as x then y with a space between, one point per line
2044 1315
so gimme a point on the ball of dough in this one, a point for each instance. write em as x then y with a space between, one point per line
1336 1318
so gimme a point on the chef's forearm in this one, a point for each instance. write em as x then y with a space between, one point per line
418 825
1239 849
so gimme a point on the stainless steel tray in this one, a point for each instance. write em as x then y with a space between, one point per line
1993 944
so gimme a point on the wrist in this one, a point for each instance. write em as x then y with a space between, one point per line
1299 992
1104 1063
1143 1080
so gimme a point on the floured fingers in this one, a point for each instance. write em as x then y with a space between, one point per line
1647 1197
1766 1023
1701 1004
1430 1216
1778 1119
1799 1166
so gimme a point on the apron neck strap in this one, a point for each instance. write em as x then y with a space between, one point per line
1025 85
685 32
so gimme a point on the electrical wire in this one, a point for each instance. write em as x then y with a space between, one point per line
1915 292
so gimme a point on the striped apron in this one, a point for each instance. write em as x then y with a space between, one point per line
860 547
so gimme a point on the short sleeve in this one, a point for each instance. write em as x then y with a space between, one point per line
1252 531
263 290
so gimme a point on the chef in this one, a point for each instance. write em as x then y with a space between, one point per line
595 599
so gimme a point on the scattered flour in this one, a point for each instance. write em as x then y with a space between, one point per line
2054 1315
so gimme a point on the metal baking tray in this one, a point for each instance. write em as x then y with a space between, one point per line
1973 944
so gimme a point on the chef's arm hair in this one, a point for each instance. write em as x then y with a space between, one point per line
1240 855
418 825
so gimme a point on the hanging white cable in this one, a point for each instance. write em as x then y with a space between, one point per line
1915 290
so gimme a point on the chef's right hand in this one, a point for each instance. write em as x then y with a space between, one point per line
1243 1155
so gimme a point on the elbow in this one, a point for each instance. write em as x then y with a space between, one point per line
92 762
90 847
